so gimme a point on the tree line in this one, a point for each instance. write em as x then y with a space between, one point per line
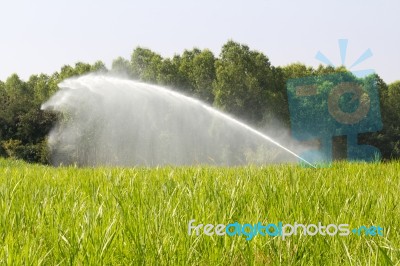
240 81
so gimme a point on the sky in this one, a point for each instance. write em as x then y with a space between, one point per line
41 36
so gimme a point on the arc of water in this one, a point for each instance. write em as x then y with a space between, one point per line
243 125
86 82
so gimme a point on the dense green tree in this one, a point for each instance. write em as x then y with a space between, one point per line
82 68
67 71
3 116
297 70
16 88
277 108
325 70
145 64
40 84
18 105
393 101
186 70
394 121
79 69
168 74
98 67
388 139
122 66
23 125
192 73
203 75
19 101
242 81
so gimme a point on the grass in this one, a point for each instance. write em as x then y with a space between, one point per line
135 216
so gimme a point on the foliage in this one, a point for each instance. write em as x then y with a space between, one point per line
240 81
23 125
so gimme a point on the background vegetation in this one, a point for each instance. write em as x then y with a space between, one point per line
239 81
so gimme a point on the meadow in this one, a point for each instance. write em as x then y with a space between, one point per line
140 216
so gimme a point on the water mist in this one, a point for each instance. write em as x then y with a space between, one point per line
113 121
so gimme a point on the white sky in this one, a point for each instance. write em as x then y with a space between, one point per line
43 35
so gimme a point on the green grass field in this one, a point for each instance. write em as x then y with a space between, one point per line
122 216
